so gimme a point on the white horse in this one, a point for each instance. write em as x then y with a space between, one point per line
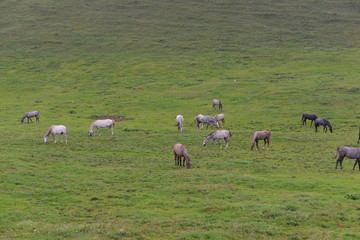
217 135
105 123
56 129
180 122
217 102
220 117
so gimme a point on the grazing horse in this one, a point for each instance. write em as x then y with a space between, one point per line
209 120
56 129
180 122
308 116
104 123
261 135
29 115
218 103
220 117
217 135
323 122
180 152
344 151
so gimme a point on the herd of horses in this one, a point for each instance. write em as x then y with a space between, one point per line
180 152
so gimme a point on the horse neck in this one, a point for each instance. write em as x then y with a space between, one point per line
22 119
253 139
49 131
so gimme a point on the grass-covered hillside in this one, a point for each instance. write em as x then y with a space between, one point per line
147 61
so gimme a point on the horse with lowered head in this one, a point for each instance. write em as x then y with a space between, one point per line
323 122
308 116
180 152
216 102
261 135
209 120
102 123
30 115
220 117
217 135
180 122
56 129
344 151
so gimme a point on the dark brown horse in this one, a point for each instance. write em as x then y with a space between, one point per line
261 135
308 116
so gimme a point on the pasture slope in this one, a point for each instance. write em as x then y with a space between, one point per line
268 61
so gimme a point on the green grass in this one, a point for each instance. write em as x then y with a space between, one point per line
268 61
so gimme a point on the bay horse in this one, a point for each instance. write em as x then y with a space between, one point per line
323 122
56 129
344 151
217 135
30 115
217 102
309 116
102 123
261 135
180 152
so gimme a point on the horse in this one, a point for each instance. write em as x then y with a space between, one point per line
180 122
218 103
30 115
309 116
56 129
104 123
323 122
180 152
220 117
209 120
217 135
261 135
344 151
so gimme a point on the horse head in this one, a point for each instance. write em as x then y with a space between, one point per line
45 139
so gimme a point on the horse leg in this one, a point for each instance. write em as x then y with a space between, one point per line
316 127
257 144
112 131
219 143
54 136
325 128
264 144
339 160
227 142
356 162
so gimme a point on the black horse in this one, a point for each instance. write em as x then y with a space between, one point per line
323 122
309 116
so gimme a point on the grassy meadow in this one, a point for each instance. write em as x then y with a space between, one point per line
148 61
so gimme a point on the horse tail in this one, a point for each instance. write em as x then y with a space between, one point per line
230 134
269 138
113 123
337 153
220 105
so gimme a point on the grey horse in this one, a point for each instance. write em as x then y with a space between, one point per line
309 116
218 103
30 115
323 122
344 151
209 120
217 135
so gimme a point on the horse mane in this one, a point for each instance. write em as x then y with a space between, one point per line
49 130
253 139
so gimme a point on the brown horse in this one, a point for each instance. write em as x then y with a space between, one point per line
180 152
261 135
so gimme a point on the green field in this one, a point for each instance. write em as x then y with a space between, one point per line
147 61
